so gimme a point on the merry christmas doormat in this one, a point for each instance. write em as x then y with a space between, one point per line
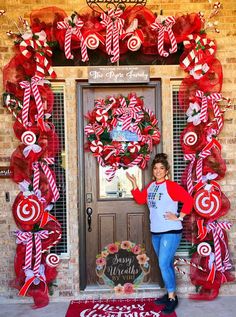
115 308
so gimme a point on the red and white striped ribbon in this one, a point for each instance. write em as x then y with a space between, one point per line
94 128
217 230
162 28
38 236
152 117
213 98
76 30
26 238
191 158
129 112
203 154
114 28
33 86
200 48
49 175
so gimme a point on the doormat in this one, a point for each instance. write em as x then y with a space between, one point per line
116 308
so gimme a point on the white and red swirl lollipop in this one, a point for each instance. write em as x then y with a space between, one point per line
28 210
92 41
207 203
190 138
28 138
102 116
52 260
96 146
134 43
204 249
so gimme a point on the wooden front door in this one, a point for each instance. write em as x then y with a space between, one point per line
114 214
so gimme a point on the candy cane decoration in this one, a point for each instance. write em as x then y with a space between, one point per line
114 28
217 229
162 28
76 30
191 158
53 243
31 87
203 154
48 173
177 260
199 48
41 50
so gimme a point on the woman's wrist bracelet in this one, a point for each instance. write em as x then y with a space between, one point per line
180 218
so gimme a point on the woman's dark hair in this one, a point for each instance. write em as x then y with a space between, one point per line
161 158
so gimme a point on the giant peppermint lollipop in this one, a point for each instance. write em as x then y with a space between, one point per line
207 203
27 211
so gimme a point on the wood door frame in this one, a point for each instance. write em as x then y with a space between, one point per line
81 172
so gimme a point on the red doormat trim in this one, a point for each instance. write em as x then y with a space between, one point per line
115 308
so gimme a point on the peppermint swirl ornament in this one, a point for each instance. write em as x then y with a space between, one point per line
204 249
207 203
134 43
190 138
92 41
52 260
28 138
29 210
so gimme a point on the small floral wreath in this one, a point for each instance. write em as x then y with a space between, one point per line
113 248
121 132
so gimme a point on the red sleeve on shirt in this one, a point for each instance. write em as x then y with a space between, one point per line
178 193
140 196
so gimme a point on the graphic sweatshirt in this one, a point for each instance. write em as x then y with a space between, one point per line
161 198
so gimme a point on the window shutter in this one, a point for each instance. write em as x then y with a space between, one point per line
60 207
179 164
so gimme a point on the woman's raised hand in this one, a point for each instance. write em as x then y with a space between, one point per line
132 179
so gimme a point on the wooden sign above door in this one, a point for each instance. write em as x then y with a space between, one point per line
118 74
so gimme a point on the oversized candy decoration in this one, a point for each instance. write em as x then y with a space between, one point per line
204 249
92 41
52 260
190 138
28 138
207 203
27 210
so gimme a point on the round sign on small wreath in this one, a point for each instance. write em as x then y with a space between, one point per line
122 266
121 133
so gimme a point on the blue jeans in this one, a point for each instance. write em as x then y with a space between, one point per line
165 246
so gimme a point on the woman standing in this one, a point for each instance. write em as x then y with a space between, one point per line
162 197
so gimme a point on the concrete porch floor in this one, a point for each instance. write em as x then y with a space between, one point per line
223 306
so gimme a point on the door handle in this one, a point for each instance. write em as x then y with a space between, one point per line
89 212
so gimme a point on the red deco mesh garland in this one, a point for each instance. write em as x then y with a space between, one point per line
29 98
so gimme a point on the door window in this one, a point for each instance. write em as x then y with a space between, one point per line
119 187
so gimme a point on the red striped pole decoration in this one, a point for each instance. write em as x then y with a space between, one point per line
162 28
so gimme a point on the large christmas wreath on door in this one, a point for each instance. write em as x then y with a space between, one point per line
121 132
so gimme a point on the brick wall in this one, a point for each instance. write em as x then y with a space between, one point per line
68 276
